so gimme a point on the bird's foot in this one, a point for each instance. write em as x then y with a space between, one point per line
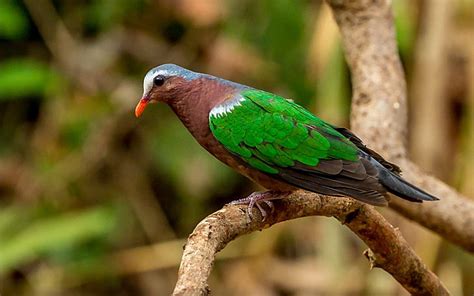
256 199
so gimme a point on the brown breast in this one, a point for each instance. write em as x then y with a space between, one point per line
193 105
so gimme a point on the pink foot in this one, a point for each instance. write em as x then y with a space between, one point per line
255 199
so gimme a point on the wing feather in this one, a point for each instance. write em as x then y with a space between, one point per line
281 138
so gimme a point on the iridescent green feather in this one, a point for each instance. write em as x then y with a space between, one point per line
270 132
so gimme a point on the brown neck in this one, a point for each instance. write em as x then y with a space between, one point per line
194 102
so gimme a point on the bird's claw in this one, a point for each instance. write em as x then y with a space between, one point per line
270 206
255 199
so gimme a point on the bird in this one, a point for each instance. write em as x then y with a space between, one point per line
273 141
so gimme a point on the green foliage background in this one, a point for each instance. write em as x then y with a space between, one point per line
95 201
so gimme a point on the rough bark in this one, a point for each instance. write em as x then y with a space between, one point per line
388 249
379 115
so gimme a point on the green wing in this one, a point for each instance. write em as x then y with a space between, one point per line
279 137
270 132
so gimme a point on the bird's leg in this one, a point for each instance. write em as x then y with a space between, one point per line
256 198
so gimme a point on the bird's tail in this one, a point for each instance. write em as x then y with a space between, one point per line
398 186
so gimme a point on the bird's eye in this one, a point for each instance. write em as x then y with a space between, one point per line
159 80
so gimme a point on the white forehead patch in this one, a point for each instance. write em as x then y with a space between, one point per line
226 107
167 70
148 81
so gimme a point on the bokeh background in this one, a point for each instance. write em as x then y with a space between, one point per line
96 202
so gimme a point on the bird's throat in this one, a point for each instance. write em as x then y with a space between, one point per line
194 105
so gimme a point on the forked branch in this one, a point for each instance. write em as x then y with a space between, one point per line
379 117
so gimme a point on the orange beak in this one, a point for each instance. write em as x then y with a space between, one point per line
141 107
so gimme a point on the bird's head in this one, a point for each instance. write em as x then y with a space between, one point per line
163 83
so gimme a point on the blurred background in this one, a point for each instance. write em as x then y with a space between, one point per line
96 202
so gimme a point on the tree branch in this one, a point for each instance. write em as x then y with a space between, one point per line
452 217
379 114
379 117
388 249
